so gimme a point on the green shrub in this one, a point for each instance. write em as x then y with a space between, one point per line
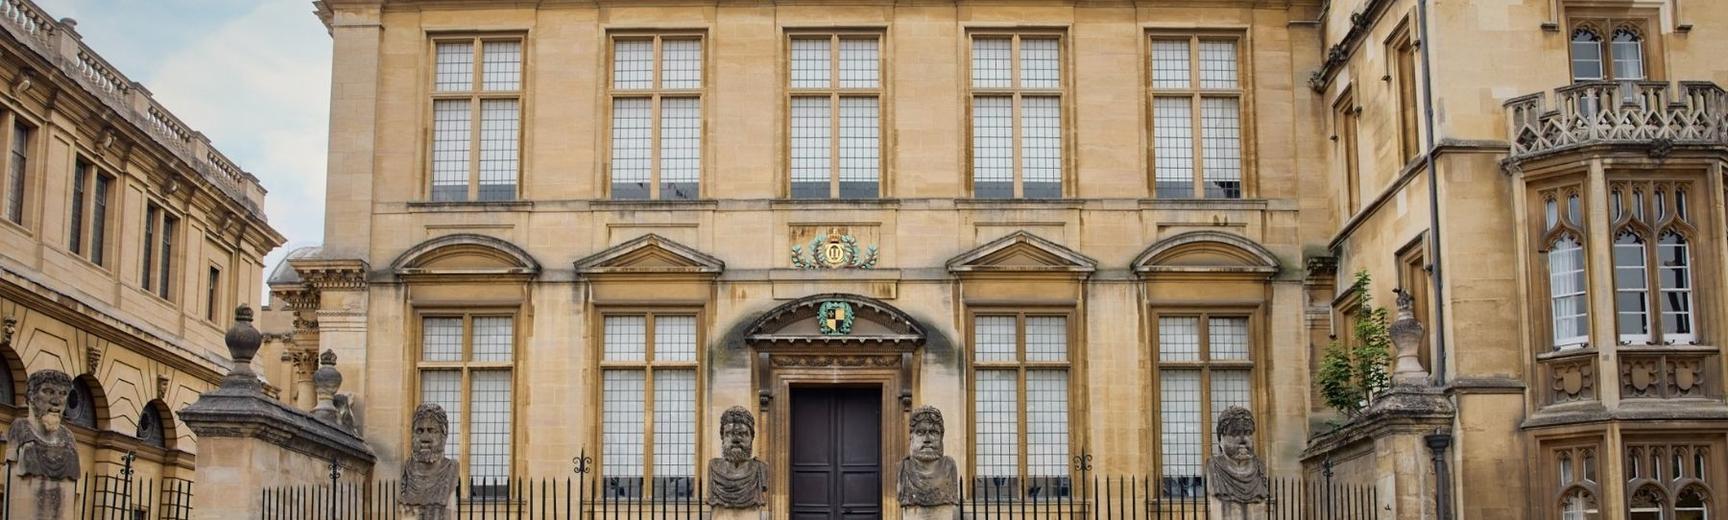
1351 375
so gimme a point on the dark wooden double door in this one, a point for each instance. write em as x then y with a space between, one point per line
836 454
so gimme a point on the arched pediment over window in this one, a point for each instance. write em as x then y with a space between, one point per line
1206 252
465 254
835 318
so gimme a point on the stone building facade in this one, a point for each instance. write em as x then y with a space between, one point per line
590 227
126 244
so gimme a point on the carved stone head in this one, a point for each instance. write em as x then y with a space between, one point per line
1235 434
737 434
927 431
431 430
46 392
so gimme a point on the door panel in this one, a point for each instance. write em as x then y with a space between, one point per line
836 471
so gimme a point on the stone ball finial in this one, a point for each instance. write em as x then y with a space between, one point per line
243 341
326 381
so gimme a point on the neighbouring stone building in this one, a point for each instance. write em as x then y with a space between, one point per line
126 243
1076 227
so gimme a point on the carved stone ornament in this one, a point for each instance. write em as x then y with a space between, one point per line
1407 332
737 480
1235 474
428 477
928 478
1639 377
243 341
834 251
8 329
820 361
325 382
1573 381
92 355
835 318
1686 377
41 445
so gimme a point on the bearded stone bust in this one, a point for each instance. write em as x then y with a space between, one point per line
41 445
1235 474
428 477
928 478
737 480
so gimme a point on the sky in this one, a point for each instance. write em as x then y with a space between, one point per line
252 75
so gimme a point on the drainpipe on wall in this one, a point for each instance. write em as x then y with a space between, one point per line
1438 441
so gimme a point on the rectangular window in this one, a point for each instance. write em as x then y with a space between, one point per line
213 294
17 165
1344 123
1020 405
835 138
1197 93
648 405
88 227
1404 51
159 230
656 94
465 366
476 118
1205 365
1017 98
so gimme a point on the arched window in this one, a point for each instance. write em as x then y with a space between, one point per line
1586 55
1692 504
1631 290
81 405
1567 292
1674 272
1627 49
1579 504
1646 504
151 428
8 393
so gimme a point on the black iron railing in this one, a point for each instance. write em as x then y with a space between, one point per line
121 496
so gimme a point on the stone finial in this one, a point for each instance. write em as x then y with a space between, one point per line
737 480
1235 474
243 341
928 478
1407 333
325 382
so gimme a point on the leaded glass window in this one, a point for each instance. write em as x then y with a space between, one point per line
1017 104
1197 139
1205 366
466 365
656 106
477 90
648 365
1020 405
836 128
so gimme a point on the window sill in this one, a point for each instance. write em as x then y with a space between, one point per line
1567 353
1223 204
471 206
1670 349
8 223
836 204
650 204
1020 203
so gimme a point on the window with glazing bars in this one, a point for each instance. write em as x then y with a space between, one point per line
1196 89
1205 366
213 294
17 163
1604 49
1020 428
1653 278
158 251
87 231
656 94
1017 96
836 132
648 405
477 91
465 366
1562 251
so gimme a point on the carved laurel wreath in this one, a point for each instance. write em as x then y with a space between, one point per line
848 242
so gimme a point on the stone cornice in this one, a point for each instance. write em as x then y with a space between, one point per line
108 324
237 412
325 274
1361 23
1403 410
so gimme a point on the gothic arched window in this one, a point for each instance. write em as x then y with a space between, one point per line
1627 50
1586 55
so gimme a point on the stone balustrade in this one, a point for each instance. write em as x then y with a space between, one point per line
59 43
1650 113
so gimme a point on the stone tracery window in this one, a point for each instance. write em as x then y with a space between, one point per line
1652 263
1615 54
648 404
1563 255
1577 482
1668 481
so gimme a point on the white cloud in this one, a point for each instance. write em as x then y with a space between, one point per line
258 86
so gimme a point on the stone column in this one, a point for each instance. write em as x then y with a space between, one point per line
248 442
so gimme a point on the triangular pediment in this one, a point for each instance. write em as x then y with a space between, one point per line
1022 251
1206 251
650 253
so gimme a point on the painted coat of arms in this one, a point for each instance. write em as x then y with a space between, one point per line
833 251
835 318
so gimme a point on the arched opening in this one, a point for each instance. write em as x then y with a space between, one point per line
155 424
85 406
